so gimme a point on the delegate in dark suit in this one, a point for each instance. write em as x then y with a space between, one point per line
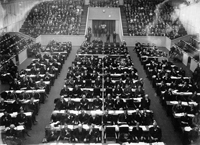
79 134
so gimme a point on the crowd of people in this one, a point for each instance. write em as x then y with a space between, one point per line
54 17
95 47
152 18
178 94
104 3
81 112
10 47
54 46
20 105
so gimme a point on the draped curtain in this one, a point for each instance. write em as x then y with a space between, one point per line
110 25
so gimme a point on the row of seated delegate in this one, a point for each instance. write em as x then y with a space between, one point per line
179 94
54 46
54 17
108 117
93 133
152 18
80 117
95 47
20 105
96 103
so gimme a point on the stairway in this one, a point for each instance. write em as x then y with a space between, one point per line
83 20
124 21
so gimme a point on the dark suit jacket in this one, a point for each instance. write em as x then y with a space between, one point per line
60 105
108 119
145 103
11 132
84 118
119 104
80 134
21 118
95 120
6 120
137 132
84 104
155 132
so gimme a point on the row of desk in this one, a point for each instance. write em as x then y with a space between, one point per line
99 112
87 127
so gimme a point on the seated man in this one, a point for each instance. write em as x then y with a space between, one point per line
95 119
64 91
118 90
55 117
51 135
70 105
76 92
178 108
34 108
109 102
125 137
79 134
147 118
123 118
21 118
97 103
6 119
155 133
41 84
119 104
145 102
94 135
66 118
84 117
108 118
136 117
60 104
66 134
84 103
137 133
12 135
3 105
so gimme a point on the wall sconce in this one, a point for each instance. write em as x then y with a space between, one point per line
104 11
109 16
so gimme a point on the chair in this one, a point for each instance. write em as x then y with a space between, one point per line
110 133
97 91
123 129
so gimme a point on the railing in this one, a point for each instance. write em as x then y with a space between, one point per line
195 42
